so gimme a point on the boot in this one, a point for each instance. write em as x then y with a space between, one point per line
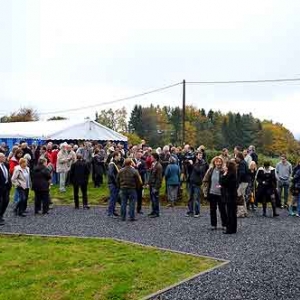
264 209
274 210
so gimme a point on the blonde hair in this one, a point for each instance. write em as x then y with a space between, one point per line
22 161
212 163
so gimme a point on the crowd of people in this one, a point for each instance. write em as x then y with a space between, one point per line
232 184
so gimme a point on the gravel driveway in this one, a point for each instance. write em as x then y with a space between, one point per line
264 255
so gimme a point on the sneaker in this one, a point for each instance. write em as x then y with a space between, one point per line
132 220
197 216
140 213
116 214
188 214
297 215
86 207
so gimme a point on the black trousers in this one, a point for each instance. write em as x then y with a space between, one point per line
41 199
4 199
83 188
214 202
139 193
98 179
231 217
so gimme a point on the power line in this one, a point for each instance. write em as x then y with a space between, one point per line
113 101
245 81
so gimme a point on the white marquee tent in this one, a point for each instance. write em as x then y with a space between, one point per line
57 130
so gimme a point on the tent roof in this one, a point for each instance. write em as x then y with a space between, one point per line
60 130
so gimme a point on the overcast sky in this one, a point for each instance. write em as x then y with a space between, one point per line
61 54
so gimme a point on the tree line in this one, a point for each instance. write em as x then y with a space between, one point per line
214 129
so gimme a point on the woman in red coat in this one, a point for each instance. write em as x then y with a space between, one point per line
14 161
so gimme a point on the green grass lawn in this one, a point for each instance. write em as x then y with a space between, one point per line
74 268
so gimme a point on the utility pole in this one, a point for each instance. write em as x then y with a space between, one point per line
183 112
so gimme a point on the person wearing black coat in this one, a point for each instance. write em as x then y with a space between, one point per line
266 187
41 178
242 183
5 186
98 167
79 177
228 182
199 169
140 166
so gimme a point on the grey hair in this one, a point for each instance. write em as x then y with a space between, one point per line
166 148
42 160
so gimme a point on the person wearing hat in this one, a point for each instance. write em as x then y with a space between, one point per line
266 187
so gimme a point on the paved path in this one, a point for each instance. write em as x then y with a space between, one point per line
264 254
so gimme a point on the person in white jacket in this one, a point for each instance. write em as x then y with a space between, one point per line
62 166
21 180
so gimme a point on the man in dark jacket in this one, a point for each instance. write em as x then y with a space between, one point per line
242 182
155 181
140 166
41 179
195 179
129 181
79 177
5 186
112 174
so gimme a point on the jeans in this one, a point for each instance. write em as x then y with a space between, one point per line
16 196
194 199
55 177
154 197
114 193
128 194
172 193
22 204
62 181
285 187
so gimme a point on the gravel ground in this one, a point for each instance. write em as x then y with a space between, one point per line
264 255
